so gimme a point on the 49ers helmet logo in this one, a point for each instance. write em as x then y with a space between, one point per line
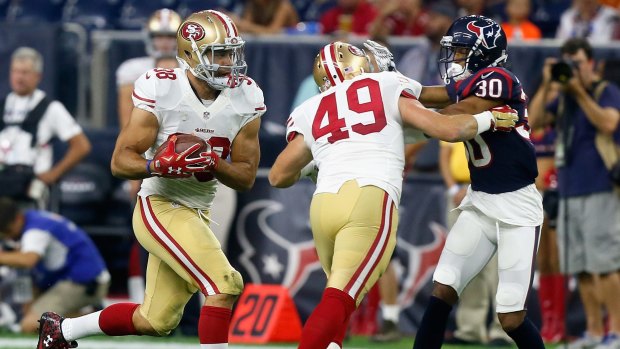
192 30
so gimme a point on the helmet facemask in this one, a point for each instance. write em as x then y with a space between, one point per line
207 70
451 67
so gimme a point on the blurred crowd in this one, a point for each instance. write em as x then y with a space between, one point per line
521 19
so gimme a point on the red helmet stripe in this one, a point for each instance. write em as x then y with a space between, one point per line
227 23
332 52
327 65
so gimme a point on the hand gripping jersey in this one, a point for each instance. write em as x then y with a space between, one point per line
168 94
498 162
355 131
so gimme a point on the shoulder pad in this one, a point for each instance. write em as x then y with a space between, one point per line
248 99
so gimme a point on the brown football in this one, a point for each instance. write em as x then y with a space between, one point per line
185 141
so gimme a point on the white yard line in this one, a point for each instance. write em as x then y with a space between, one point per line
30 343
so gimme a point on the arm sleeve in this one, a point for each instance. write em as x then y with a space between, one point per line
452 90
610 98
409 86
254 106
64 125
35 240
144 94
295 124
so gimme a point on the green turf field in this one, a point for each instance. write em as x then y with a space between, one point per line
9 341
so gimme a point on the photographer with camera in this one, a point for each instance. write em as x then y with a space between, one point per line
589 217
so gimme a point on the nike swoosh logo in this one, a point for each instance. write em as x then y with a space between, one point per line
483 76
148 76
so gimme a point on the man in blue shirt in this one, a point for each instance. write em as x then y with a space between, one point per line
65 264
589 217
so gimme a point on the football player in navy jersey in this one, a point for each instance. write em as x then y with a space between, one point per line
502 210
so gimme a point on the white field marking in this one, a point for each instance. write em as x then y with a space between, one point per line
30 343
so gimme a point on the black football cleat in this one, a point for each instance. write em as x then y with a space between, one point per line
50 333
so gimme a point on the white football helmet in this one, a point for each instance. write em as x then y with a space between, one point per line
203 34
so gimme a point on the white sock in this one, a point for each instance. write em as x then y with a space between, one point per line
390 312
83 326
135 288
214 346
333 345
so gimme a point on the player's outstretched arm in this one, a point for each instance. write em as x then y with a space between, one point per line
453 128
287 168
471 105
135 138
434 97
240 172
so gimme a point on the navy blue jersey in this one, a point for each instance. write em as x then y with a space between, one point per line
499 162
68 254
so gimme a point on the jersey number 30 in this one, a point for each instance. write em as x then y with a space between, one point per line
335 126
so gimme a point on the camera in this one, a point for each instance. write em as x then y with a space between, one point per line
562 71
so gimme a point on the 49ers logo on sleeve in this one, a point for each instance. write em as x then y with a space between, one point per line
192 30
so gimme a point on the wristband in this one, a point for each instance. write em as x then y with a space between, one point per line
148 166
485 121
453 189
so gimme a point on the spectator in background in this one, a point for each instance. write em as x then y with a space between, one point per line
479 294
470 7
518 26
67 268
30 121
398 18
160 31
267 17
420 62
349 17
588 19
589 215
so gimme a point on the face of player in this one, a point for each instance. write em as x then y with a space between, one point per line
165 44
24 78
225 59
460 56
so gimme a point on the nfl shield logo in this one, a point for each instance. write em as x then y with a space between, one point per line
206 115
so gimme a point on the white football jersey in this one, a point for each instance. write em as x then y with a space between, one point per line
168 94
355 131
131 69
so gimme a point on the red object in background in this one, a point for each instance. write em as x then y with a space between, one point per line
364 320
264 314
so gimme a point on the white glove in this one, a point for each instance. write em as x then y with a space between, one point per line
311 171
383 56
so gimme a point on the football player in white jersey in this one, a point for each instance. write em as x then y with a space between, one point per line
209 97
353 133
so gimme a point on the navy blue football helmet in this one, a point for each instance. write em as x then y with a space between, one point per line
484 40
